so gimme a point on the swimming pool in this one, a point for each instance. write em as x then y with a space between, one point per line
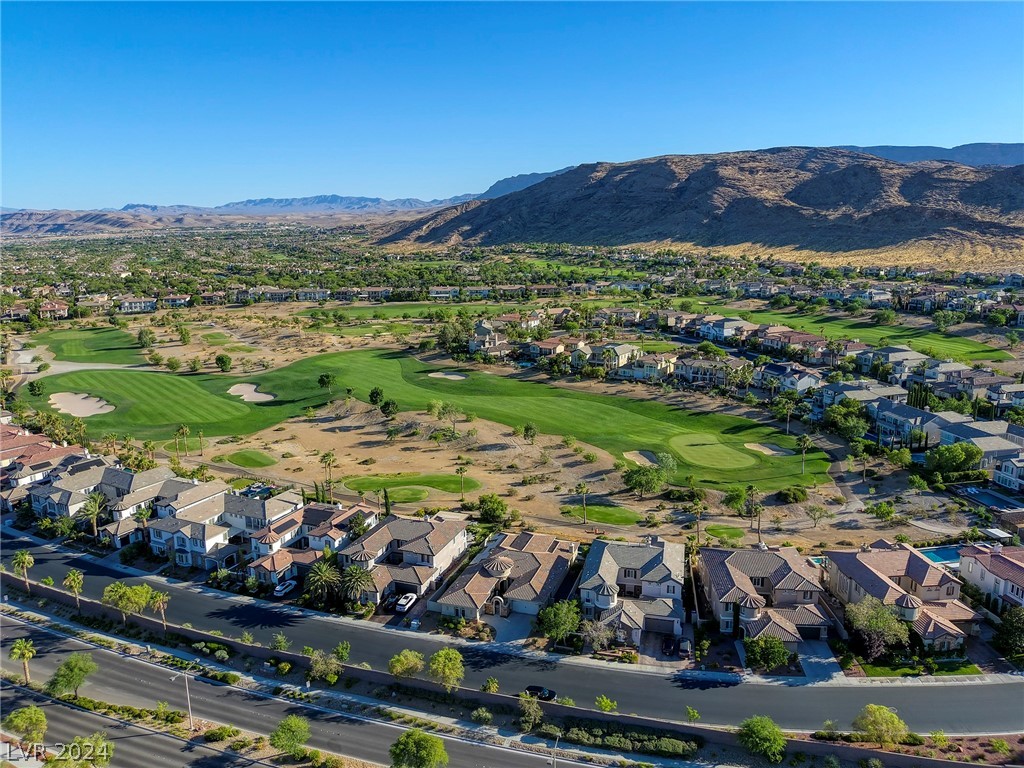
948 555
991 499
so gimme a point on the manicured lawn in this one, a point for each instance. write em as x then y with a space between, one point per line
945 669
724 532
447 483
934 343
239 348
154 404
92 345
603 513
216 339
249 459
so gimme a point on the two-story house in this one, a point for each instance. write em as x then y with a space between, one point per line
404 555
635 588
997 571
516 573
769 591
652 367
923 594
786 377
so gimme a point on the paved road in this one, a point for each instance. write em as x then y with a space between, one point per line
126 681
133 747
968 707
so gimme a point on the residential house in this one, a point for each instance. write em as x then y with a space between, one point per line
888 356
925 595
635 588
443 292
1005 396
132 305
723 329
176 300
1009 473
289 545
312 294
786 377
273 294
519 573
997 571
545 348
376 293
52 310
406 555
652 367
896 422
763 592
709 372
998 440
476 291
195 539
212 298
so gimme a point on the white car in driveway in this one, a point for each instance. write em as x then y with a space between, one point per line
284 588
405 602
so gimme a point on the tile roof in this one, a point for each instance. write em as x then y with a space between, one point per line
1007 563
731 570
656 561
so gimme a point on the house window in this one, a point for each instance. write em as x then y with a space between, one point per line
757 581
808 594
970 566
950 590
670 589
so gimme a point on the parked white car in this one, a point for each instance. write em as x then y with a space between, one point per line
405 602
284 588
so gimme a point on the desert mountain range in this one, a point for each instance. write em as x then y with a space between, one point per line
798 200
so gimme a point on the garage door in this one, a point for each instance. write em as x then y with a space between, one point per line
666 626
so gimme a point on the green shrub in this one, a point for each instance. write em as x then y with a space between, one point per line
793 494
284 668
482 715
223 733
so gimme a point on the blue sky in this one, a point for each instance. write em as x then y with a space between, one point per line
204 103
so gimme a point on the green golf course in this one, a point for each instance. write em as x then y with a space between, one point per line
153 405
248 459
92 345
935 343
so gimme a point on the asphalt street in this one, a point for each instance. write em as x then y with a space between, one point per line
137 683
966 707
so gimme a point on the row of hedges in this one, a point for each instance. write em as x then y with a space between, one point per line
648 741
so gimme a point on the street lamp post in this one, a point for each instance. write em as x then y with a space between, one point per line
554 753
188 696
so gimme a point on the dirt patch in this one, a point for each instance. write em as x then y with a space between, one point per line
447 376
768 449
249 393
77 404
643 458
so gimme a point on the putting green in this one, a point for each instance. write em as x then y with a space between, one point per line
249 459
92 345
707 450
730 532
608 514
152 405
448 483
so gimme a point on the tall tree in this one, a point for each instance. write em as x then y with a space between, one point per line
558 620
446 667
93 509
581 490
804 443
23 650
461 472
355 581
323 579
74 582
327 381
71 674
158 604
22 561
290 735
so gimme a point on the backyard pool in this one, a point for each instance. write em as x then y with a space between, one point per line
991 499
948 555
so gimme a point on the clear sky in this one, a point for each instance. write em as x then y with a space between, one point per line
205 103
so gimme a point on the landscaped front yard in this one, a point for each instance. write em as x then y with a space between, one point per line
943 668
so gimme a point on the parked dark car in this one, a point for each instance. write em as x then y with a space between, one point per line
541 693
669 646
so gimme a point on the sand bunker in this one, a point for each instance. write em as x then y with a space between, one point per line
446 375
248 393
76 404
643 458
768 449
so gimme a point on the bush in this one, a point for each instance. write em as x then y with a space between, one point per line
762 737
222 677
793 494
482 715
284 668
913 740
223 733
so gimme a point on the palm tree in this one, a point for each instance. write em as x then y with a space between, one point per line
74 582
23 650
461 472
184 431
323 579
327 461
6 377
699 508
142 517
785 408
22 561
93 509
201 447
150 448
110 440
158 604
581 490
804 443
354 581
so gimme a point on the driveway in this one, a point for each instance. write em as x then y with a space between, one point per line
818 661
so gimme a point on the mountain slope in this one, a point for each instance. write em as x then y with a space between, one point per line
791 198
966 154
517 183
